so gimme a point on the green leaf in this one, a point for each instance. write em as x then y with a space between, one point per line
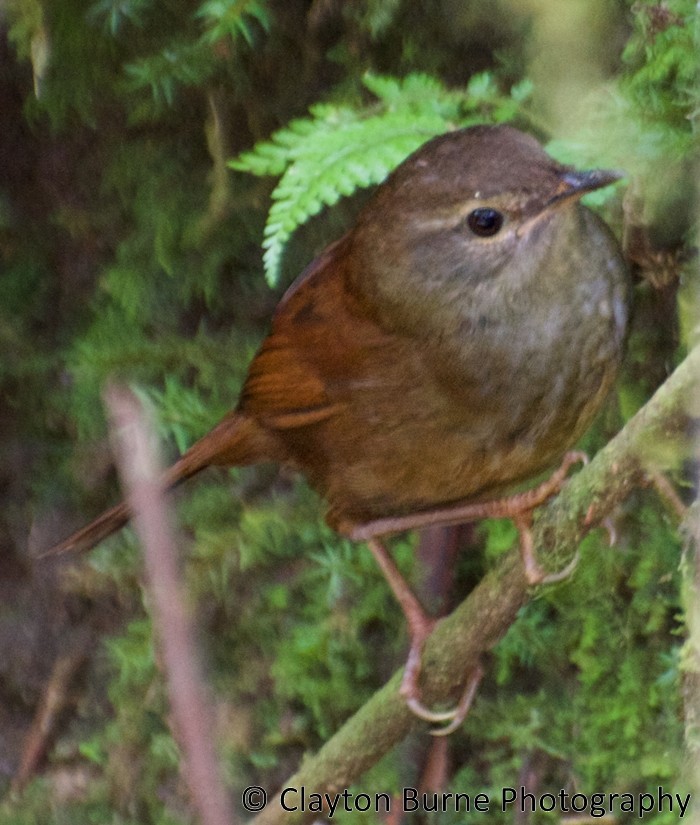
180 64
337 150
115 14
232 18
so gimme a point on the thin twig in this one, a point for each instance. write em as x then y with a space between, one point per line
141 475
53 700
668 494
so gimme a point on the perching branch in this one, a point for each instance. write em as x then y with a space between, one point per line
655 439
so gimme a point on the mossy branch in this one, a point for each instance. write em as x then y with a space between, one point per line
655 439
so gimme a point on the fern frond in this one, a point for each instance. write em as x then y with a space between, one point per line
332 164
338 150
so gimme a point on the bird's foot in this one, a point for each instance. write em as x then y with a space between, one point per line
410 691
534 573
420 626
520 506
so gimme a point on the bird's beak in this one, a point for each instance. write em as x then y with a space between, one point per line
574 184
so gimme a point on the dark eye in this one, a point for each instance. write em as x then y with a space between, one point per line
484 222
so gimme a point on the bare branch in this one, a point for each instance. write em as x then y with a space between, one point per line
54 699
141 475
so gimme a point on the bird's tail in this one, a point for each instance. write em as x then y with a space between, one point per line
232 442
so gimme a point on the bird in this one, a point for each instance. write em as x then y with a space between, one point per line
451 346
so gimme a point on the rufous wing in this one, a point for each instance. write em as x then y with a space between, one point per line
317 347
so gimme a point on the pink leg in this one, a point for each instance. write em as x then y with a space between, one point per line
460 513
518 507
420 626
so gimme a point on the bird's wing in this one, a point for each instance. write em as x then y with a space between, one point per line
318 345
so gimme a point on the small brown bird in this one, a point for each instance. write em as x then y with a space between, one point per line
451 345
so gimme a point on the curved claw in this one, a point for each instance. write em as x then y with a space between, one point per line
455 716
417 708
464 704
534 574
575 457
552 578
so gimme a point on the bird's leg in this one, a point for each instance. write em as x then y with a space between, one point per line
420 626
519 507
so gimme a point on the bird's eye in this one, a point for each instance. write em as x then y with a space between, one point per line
485 222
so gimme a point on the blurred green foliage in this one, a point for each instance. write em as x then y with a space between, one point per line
129 249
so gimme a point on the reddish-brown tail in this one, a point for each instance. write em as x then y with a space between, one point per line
234 441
